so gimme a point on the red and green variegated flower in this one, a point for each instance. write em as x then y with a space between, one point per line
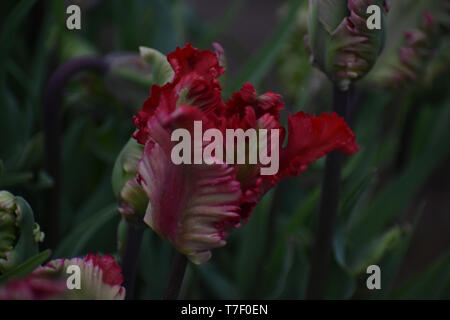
33 287
339 41
100 279
195 206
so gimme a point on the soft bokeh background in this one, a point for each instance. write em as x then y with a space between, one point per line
395 199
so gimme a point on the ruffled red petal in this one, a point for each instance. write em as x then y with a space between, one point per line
247 97
196 71
311 137
192 60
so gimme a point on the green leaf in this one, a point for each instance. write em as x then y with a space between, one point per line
278 268
252 251
217 282
161 69
257 67
339 245
10 26
392 262
298 218
155 252
346 208
341 284
14 179
372 252
431 283
292 237
371 221
27 267
353 196
211 33
77 239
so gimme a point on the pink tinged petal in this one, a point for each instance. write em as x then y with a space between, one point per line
220 53
101 277
407 55
33 288
430 22
415 37
191 205
98 279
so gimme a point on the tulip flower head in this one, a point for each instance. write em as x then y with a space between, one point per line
339 40
33 287
195 206
100 279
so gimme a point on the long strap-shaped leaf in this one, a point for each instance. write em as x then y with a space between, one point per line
79 237
27 267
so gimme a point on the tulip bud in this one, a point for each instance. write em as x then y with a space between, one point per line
19 234
409 64
132 198
133 201
341 44
8 229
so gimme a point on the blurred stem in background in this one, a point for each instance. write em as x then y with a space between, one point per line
52 129
178 269
406 134
328 208
130 257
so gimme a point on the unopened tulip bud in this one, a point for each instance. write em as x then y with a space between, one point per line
341 43
415 55
19 234
132 197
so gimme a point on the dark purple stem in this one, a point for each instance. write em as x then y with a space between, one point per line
130 258
176 276
405 139
52 130
328 210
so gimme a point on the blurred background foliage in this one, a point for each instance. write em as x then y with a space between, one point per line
394 208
